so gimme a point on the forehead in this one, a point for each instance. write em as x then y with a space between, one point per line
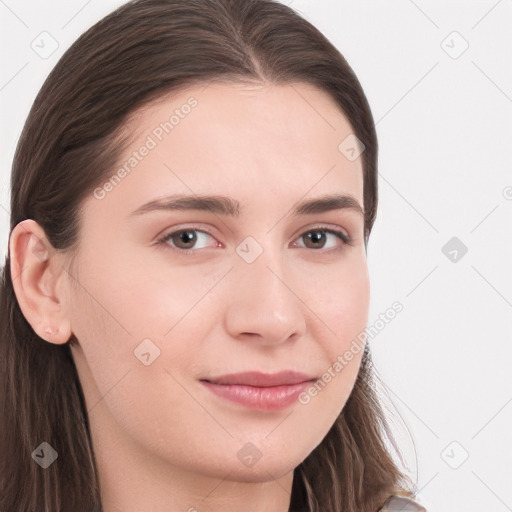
246 109
246 141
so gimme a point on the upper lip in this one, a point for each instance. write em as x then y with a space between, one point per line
284 378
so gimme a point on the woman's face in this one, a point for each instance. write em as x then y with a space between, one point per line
259 291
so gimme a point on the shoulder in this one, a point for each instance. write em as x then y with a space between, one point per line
401 504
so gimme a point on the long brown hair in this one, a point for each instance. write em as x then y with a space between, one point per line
70 143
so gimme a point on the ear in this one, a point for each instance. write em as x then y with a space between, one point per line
38 276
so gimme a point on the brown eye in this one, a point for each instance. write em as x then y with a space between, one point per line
317 238
185 239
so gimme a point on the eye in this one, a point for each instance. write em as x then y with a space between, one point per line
316 238
188 239
185 239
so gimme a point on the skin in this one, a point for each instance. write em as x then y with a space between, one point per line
162 441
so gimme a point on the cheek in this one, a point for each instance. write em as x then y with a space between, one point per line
110 324
130 310
341 299
147 297
343 309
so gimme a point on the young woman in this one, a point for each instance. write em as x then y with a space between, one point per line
185 295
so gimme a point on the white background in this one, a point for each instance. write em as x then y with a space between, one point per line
445 134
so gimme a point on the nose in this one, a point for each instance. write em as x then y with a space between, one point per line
262 303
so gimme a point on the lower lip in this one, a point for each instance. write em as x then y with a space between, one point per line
265 398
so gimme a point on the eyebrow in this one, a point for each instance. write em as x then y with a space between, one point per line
227 206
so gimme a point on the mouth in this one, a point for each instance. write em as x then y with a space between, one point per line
259 390
259 379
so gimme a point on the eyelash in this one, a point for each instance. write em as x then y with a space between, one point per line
346 239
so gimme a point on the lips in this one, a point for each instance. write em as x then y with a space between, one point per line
258 379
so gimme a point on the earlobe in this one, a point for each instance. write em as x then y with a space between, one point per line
36 269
